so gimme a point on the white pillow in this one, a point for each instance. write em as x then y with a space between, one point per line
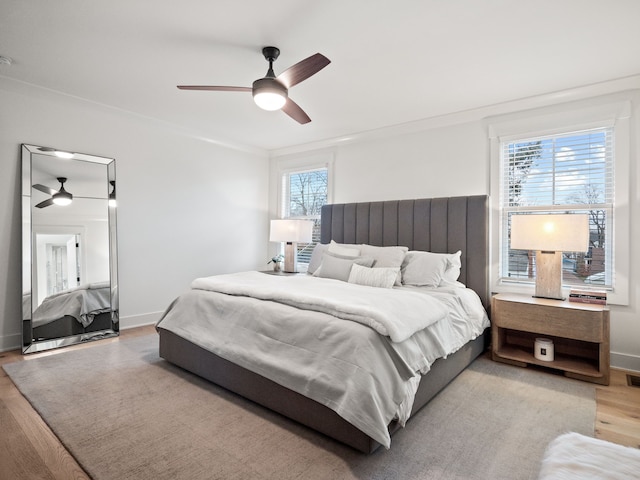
373 277
338 267
344 249
316 257
452 273
423 269
386 257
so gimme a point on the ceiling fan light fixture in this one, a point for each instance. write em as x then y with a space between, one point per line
62 198
269 94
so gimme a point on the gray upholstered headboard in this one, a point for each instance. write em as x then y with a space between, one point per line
441 225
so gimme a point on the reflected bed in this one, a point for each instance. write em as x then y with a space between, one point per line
75 311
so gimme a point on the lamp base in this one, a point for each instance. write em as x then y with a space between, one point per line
549 275
290 257
549 298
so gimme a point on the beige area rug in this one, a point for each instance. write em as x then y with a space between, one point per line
124 413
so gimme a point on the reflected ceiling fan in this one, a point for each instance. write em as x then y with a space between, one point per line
58 197
271 92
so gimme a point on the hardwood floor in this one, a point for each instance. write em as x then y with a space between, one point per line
30 450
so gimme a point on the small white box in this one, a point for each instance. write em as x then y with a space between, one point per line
543 349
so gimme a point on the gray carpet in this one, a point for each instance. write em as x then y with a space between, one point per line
124 413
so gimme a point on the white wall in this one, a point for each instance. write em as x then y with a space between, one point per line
180 215
452 156
438 162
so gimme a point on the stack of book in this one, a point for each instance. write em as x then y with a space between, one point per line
598 297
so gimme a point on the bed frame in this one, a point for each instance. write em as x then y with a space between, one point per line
442 225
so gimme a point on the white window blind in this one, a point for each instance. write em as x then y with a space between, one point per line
564 173
304 192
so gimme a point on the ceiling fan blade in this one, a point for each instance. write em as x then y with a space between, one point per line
292 109
215 88
46 203
47 190
303 70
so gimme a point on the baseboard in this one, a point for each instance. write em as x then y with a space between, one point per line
625 362
141 320
10 342
14 341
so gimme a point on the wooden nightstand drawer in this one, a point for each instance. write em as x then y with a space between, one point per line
577 324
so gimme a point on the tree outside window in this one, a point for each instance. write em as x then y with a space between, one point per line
304 194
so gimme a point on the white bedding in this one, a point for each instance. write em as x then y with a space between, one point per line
83 303
396 314
346 365
572 456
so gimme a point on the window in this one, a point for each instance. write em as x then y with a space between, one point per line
304 192
562 173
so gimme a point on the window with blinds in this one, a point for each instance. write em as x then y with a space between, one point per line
303 195
565 173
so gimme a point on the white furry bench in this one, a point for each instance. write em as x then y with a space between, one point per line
575 457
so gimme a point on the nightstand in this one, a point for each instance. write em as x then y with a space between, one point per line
579 331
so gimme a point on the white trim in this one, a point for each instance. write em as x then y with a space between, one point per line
568 117
14 341
625 362
287 165
11 342
30 89
132 321
471 115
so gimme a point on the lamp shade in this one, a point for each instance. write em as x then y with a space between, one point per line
555 232
287 230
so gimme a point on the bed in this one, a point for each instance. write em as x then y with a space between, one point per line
444 225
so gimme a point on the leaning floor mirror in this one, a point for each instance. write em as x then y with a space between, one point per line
69 270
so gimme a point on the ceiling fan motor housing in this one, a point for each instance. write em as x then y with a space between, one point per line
271 53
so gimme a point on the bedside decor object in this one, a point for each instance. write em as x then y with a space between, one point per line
543 349
277 261
597 297
291 232
549 236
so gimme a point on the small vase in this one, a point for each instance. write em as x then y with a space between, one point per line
276 266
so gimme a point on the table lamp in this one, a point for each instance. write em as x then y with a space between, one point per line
291 232
549 236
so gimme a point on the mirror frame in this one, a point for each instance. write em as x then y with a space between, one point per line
29 344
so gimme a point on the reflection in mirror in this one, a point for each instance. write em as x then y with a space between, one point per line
69 248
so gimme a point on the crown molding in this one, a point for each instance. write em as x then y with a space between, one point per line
28 89
466 116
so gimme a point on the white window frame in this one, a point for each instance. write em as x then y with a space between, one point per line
289 165
558 120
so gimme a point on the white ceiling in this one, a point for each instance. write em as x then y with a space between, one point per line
392 62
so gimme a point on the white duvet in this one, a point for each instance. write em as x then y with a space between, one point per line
397 314
573 456
347 365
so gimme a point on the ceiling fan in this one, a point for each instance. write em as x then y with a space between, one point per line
271 92
58 197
